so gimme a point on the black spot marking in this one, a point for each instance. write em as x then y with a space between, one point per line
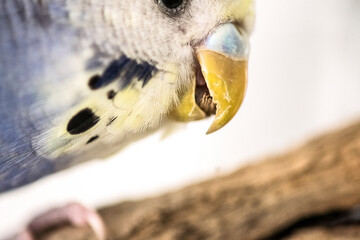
145 73
94 82
92 139
82 121
111 94
111 121
115 69
125 69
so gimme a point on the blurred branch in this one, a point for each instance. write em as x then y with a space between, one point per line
261 201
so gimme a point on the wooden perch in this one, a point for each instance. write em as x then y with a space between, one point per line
302 194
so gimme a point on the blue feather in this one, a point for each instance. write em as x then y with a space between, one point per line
35 41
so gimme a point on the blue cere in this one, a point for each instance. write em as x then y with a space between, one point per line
228 40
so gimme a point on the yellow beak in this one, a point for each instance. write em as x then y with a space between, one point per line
223 60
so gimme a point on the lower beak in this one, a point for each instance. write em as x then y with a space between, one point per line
223 60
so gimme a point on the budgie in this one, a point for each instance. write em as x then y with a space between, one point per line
78 75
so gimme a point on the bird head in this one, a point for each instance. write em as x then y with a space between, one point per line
199 46
213 45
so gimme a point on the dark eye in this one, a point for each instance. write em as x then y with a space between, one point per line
172 3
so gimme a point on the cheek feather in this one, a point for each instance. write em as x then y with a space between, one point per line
125 70
108 111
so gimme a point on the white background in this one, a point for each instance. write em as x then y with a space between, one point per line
304 79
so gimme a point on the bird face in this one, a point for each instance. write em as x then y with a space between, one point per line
206 43
200 46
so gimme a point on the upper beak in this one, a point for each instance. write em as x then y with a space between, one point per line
223 58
